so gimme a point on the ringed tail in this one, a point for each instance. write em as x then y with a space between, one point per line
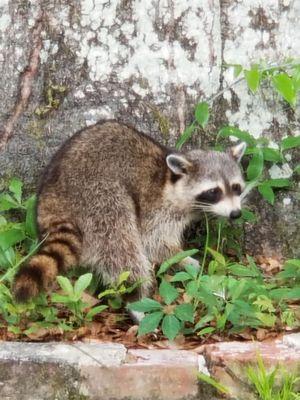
60 251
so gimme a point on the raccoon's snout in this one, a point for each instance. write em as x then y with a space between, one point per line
235 214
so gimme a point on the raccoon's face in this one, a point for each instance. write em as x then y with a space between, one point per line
207 181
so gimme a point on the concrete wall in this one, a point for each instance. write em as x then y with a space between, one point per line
146 62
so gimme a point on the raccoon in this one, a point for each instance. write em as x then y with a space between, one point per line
113 199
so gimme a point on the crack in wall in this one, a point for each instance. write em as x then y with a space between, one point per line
27 77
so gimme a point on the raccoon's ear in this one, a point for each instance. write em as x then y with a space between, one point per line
178 164
238 151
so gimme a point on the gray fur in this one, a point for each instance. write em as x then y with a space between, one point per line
114 184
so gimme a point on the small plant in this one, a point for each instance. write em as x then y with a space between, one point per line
264 382
116 292
72 299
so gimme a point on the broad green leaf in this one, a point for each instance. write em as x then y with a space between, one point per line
95 310
241 270
202 114
227 131
290 142
150 322
297 169
272 155
15 186
168 292
253 78
217 256
170 326
267 319
212 382
11 237
267 192
255 167
7 202
184 312
278 183
192 270
65 284
82 283
175 260
30 222
284 86
181 277
58 298
185 136
145 305
123 277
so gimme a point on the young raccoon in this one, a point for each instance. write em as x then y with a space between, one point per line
114 199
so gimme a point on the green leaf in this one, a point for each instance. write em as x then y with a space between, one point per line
58 298
227 131
278 183
168 292
11 237
217 256
123 277
203 321
237 70
7 202
272 155
205 331
267 192
253 78
255 167
107 292
145 305
297 169
284 86
290 142
30 221
82 283
202 114
185 136
241 270
95 310
213 382
181 277
296 78
185 312
192 270
170 326
150 322
248 215
65 284
175 260
15 186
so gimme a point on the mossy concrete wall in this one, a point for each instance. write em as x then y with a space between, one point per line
65 65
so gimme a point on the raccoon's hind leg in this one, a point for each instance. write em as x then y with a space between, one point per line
112 244
60 250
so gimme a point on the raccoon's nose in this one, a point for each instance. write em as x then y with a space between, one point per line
235 214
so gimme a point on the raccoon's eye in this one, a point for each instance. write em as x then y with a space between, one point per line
236 189
210 196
